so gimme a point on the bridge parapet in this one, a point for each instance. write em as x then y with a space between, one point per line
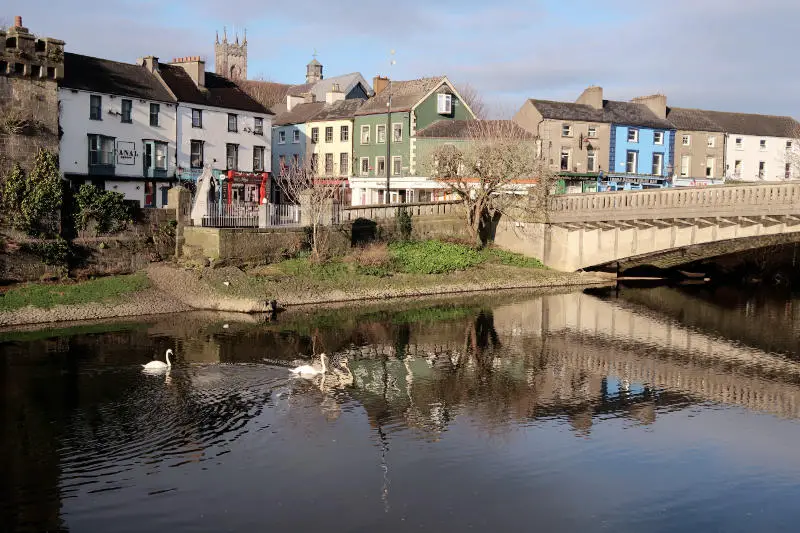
725 201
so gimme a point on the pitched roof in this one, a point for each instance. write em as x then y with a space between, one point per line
464 129
751 124
318 89
111 77
340 110
405 94
218 91
299 114
691 119
613 111
267 93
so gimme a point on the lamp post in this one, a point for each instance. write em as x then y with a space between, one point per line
387 165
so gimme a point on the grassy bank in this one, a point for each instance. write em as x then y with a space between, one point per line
48 295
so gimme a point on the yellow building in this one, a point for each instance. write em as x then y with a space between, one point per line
330 135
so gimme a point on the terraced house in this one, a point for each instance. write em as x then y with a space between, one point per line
385 137
331 135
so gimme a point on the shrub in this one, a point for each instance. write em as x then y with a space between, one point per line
106 208
372 260
512 259
52 253
33 202
433 257
404 224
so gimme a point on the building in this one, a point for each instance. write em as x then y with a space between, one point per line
618 144
218 127
30 68
402 108
118 123
230 59
291 138
699 147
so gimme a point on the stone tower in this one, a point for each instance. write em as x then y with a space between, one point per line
230 59
313 71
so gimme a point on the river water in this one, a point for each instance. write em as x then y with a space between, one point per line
639 409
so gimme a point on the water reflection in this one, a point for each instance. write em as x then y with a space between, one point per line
82 422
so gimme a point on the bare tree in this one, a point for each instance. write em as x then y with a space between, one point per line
474 100
495 172
265 92
316 196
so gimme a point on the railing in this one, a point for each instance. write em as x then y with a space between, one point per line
283 215
231 215
378 212
713 201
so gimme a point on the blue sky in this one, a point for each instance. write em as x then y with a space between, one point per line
717 54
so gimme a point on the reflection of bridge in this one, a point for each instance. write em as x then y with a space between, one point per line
664 227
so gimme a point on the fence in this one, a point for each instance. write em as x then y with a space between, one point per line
231 215
378 212
282 215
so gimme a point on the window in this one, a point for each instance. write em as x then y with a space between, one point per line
364 166
328 164
686 140
197 118
101 150
127 109
762 144
566 130
712 141
258 127
565 156
709 167
444 104
314 135
397 165
592 133
258 159
364 134
329 134
658 137
196 154
762 169
787 173
380 165
658 164
397 132
344 164
633 135
788 145
232 156
737 168
686 163
233 122
154 109
380 133
631 162
739 143
281 137
314 163
295 136
95 107
160 161
591 160
344 133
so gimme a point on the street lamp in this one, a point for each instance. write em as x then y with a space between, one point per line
388 164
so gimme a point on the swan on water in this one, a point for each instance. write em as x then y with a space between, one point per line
159 365
312 369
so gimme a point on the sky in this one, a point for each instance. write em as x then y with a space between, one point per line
730 55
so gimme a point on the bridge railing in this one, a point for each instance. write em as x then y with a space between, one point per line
762 199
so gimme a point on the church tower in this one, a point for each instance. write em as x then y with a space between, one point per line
314 70
230 59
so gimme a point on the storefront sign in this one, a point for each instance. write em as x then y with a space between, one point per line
126 153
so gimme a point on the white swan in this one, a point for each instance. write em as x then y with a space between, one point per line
312 370
159 365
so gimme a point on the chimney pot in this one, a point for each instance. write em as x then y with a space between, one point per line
17 21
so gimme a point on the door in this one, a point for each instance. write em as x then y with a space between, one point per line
164 196
149 194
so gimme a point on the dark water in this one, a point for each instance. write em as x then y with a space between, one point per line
648 410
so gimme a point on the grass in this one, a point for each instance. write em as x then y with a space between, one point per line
433 257
46 296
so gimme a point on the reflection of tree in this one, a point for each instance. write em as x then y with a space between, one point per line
481 340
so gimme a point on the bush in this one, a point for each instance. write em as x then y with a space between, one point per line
52 253
433 257
404 224
372 260
512 259
106 208
33 202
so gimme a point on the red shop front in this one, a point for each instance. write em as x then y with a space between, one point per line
247 187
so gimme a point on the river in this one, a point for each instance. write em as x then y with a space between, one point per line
634 409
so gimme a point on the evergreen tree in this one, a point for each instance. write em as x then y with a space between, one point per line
41 206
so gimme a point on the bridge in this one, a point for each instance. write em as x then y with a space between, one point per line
663 228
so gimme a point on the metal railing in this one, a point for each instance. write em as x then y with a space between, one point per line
222 215
283 215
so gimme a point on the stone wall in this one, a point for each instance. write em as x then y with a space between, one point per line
28 120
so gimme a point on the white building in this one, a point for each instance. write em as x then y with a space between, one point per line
218 126
119 127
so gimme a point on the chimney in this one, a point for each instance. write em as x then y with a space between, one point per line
17 21
592 96
657 103
149 62
334 94
309 98
379 83
293 100
195 67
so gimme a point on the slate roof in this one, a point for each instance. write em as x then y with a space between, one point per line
93 74
319 89
405 94
218 91
343 109
751 124
463 129
613 111
299 114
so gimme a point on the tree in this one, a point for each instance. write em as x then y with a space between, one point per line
316 196
266 93
494 171
474 100
33 202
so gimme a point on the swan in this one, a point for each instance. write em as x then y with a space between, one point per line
159 365
312 370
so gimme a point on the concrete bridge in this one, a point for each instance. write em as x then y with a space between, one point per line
664 227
